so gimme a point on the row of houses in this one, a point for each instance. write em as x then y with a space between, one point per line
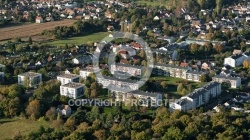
198 97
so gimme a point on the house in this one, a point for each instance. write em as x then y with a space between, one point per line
169 39
1 77
234 60
236 51
235 82
48 19
229 104
39 19
126 69
72 89
206 66
156 18
110 28
30 79
66 78
64 110
136 46
197 98
82 60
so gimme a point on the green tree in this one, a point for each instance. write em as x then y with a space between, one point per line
34 109
164 84
180 88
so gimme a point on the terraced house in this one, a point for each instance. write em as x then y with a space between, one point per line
197 98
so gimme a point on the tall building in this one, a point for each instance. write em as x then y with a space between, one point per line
31 78
66 78
72 90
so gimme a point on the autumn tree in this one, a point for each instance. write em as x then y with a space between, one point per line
164 84
246 64
180 88
218 47
34 109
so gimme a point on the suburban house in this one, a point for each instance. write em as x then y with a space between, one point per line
39 19
144 98
29 77
126 69
197 98
72 90
1 77
66 78
118 84
234 60
168 39
235 82
64 110
82 60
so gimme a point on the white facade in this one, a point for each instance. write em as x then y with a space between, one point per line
128 69
197 98
72 90
33 78
235 82
234 60
84 73
66 78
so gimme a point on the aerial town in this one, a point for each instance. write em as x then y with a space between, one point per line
189 79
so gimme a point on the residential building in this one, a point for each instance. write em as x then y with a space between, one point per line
203 42
72 90
85 72
193 76
145 98
1 77
197 98
118 84
234 60
66 78
127 69
39 19
31 78
82 60
235 82
64 110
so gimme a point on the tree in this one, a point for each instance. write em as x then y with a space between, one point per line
246 64
184 91
219 48
194 48
30 40
164 84
173 133
218 6
180 88
100 134
51 113
34 109
204 78
26 82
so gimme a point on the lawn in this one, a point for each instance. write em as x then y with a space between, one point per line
152 2
172 84
11 127
96 37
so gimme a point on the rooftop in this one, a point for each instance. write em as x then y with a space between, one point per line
149 94
225 77
127 65
30 74
68 76
73 85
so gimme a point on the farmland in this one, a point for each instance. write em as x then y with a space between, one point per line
32 29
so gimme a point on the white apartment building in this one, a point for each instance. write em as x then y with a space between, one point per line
197 98
235 82
72 90
33 78
115 83
66 78
234 60
130 70
1 77
85 72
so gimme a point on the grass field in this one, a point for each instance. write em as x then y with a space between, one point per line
152 3
80 40
32 29
11 127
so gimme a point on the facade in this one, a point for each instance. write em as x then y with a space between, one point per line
33 78
1 77
130 70
235 82
193 76
171 70
144 98
72 90
113 83
85 72
66 78
64 110
234 60
197 98
39 19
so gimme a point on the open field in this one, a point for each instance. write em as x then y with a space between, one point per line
31 29
11 127
152 3
80 40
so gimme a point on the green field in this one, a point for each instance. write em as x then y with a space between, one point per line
152 3
11 127
80 40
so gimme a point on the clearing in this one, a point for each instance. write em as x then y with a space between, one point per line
152 3
11 127
32 29
95 37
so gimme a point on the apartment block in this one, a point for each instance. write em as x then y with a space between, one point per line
235 82
33 78
66 78
126 69
72 90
